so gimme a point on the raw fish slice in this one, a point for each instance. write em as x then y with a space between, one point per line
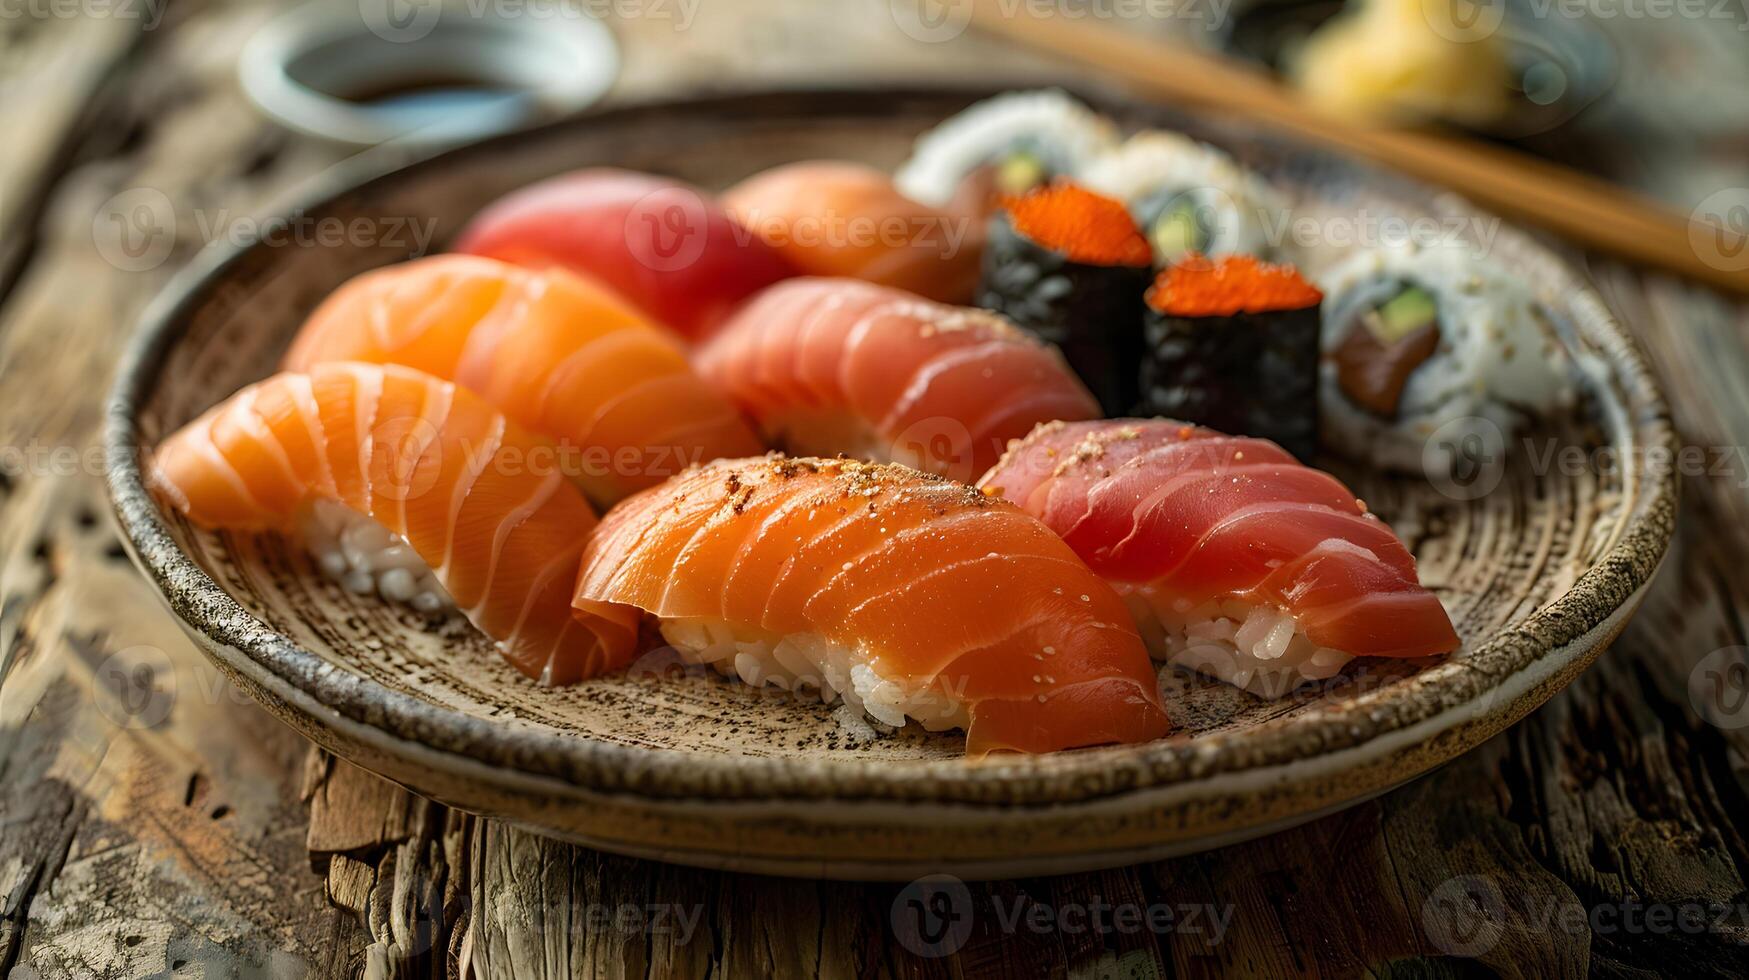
907 595
436 469
556 352
829 366
1051 460
666 247
1322 589
831 218
1140 524
1235 559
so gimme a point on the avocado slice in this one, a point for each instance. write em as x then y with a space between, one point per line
1403 314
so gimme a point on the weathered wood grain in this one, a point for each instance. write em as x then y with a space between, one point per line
151 815
152 821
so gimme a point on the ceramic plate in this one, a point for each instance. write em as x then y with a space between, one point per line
1540 558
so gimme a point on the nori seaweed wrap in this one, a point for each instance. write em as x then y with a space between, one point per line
1232 343
1070 266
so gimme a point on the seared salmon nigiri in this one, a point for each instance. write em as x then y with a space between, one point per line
906 595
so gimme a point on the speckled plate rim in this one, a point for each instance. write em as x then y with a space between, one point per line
1481 686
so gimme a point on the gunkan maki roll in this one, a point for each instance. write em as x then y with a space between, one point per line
1232 343
1070 266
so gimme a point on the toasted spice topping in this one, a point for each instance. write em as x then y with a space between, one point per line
854 482
1087 227
1199 286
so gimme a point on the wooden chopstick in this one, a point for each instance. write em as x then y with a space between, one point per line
1588 210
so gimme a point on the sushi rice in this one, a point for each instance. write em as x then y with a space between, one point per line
810 666
1499 365
366 557
1050 125
1260 648
1151 169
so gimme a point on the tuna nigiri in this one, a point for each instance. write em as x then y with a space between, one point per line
845 219
1236 560
554 351
668 248
828 366
906 595
411 486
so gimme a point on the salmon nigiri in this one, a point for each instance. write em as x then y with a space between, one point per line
828 366
666 247
906 595
408 485
830 218
554 351
1236 559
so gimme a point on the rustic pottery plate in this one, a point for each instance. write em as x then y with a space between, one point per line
1541 556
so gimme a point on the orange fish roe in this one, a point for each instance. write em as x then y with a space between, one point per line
1089 228
1197 286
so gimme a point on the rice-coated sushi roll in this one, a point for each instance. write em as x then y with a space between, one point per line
832 218
1190 197
904 595
668 248
1006 145
1071 266
1428 348
556 352
1233 345
411 486
1236 560
838 366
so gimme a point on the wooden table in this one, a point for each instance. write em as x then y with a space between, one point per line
153 821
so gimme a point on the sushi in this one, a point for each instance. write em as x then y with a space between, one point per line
1236 561
829 218
828 366
899 594
1190 197
409 486
1071 266
1006 145
664 246
557 353
1233 345
1433 358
